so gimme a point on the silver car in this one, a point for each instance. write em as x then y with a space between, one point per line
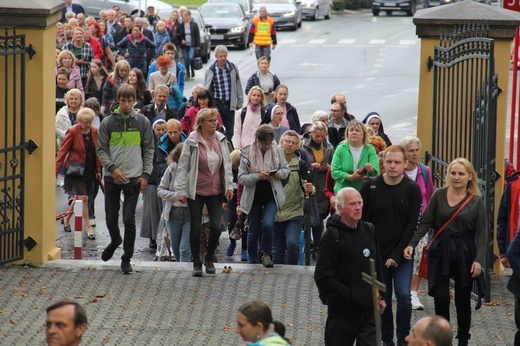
92 7
286 13
313 9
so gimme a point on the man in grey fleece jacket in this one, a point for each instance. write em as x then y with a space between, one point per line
125 149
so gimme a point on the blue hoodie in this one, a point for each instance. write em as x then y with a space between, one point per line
164 147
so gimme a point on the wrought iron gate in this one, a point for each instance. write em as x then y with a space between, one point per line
13 146
464 113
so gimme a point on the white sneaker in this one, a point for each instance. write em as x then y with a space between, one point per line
416 303
61 180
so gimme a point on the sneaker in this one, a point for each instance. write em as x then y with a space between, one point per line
244 257
416 303
126 267
231 249
92 222
110 249
61 180
266 261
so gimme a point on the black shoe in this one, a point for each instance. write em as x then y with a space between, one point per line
266 261
210 267
390 343
192 74
126 267
153 244
110 249
197 269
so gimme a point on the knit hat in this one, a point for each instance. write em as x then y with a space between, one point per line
157 120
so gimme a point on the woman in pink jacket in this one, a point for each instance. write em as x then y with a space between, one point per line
245 127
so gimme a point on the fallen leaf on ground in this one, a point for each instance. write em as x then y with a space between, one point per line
100 295
13 322
493 303
106 340
194 303
228 328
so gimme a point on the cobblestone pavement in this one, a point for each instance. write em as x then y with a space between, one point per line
161 304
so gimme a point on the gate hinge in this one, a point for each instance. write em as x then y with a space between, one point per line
29 50
31 146
429 63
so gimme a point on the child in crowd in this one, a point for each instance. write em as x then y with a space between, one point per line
175 214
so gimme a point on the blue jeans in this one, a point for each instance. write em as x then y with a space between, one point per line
287 234
261 51
189 54
178 226
398 279
112 206
227 115
261 220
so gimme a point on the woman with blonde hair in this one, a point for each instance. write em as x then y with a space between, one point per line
114 81
249 118
355 159
204 178
78 155
458 251
67 61
67 115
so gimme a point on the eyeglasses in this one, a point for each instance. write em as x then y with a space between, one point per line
211 120
290 142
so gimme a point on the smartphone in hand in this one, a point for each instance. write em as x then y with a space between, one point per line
272 173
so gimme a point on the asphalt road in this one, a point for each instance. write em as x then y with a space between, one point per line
373 61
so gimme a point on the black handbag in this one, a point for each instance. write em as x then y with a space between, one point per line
311 206
75 169
197 63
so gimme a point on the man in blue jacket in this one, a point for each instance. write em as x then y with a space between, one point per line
70 8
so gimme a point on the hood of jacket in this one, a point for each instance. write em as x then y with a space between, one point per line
164 142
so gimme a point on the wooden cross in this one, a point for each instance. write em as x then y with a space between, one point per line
376 287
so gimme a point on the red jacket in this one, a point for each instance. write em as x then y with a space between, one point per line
73 149
97 50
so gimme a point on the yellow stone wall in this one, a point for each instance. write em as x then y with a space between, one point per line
425 106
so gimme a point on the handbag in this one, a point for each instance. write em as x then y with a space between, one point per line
197 63
75 169
423 264
313 211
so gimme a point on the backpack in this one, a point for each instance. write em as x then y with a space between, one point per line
244 111
424 172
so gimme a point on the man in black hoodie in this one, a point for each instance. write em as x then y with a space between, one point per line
345 252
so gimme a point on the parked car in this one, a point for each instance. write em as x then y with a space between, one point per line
389 6
313 9
247 5
286 13
229 24
92 7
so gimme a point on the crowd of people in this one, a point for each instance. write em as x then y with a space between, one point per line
213 162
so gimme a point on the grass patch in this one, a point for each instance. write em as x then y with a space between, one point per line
187 3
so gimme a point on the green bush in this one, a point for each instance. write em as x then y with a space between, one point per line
338 5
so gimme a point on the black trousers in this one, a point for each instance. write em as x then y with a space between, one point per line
340 331
517 321
441 295
214 206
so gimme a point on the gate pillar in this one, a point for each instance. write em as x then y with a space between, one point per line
36 20
431 24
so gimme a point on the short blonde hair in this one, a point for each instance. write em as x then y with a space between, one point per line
235 157
319 126
86 114
202 115
355 123
74 92
63 54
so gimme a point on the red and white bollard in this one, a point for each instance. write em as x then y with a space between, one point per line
78 229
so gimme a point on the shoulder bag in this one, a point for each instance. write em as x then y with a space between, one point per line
423 264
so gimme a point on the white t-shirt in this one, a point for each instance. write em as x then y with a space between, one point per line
356 154
412 174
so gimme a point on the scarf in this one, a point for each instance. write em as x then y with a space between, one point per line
267 162
254 107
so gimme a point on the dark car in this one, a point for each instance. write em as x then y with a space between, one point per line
389 6
229 24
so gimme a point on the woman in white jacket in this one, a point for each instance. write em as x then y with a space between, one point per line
175 213
66 116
